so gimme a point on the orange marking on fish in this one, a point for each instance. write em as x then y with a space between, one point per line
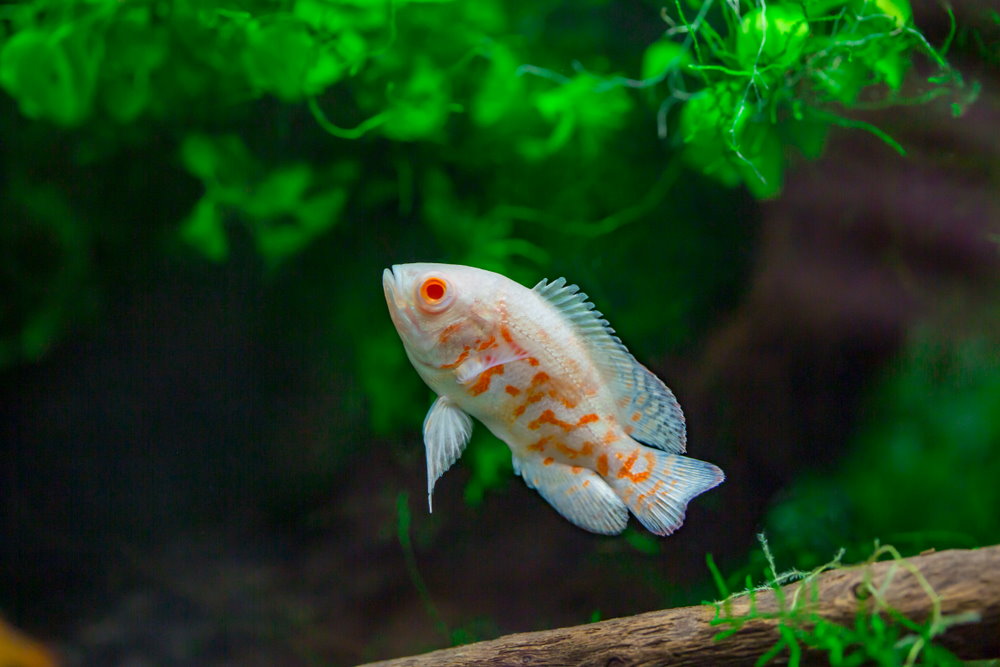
602 464
609 437
462 357
588 419
628 429
512 390
576 470
626 469
586 483
636 416
505 333
567 402
585 450
447 332
539 378
651 492
532 361
532 397
548 461
483 383
549 417
488 343
539 445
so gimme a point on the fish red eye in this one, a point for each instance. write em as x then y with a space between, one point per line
433 290
434 294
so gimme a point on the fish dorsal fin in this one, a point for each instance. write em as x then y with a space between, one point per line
644 402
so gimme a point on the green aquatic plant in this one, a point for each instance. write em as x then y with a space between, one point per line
767 76
880 634
279 110
471 631
283 209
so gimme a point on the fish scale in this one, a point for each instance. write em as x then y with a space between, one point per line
591 429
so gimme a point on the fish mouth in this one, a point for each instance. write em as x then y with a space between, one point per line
389 285
392 285
399 309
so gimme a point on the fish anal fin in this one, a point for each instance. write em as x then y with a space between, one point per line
582 497
447 429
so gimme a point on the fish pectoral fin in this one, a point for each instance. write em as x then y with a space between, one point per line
476 365
582 496
447 429
482 361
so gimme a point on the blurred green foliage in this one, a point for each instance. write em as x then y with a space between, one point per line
283 209
405 70
501 134
922 472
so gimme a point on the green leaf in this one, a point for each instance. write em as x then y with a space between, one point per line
662 56
327 69
708 124
279 238
279 58
280 192
420 109
204 230
48 82
899 11
807 133
582 109
219 160
772 34
502 90
891 68
763 164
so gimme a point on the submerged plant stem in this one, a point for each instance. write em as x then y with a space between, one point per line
403 530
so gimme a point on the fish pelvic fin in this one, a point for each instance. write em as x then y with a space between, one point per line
577 493
657 486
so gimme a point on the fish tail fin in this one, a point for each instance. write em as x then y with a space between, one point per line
657 486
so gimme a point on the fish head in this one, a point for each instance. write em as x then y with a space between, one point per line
440 309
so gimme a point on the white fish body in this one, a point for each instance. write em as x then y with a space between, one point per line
589 427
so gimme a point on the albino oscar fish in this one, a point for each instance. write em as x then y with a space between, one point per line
588 426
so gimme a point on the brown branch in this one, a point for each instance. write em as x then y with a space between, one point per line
963 580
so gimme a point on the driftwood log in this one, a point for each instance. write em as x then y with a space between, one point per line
963 580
